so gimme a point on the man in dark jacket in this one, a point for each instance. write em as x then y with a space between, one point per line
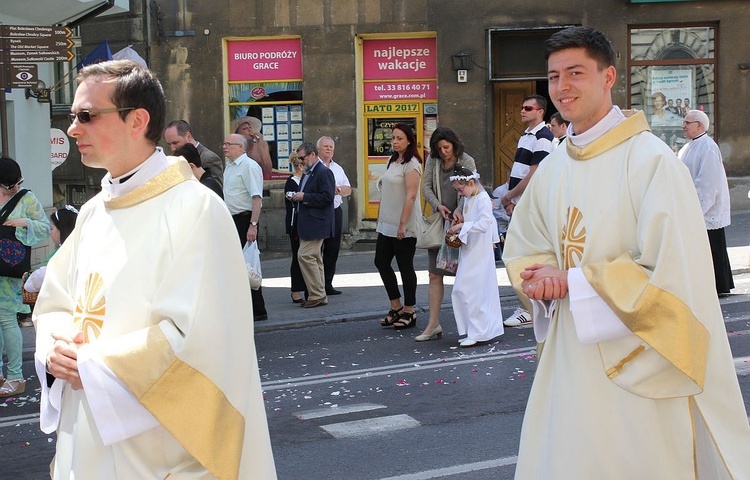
315 221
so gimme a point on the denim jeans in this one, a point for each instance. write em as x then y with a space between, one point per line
13 342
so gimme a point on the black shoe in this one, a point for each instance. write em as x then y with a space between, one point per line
260 318
332 291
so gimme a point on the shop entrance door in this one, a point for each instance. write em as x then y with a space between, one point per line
508 127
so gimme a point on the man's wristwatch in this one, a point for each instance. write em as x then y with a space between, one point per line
253 224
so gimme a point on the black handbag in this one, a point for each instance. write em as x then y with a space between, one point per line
15 257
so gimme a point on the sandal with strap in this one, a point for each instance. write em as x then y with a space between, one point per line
391 318
406 320
12 387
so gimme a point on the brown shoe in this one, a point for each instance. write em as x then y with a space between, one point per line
315 303
12 387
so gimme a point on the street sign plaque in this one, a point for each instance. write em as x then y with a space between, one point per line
35 44
18 76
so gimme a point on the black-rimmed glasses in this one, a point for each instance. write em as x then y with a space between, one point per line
85 116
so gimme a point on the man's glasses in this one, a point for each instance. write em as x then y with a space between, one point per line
529 108
11 187
85 116
227 144
686 122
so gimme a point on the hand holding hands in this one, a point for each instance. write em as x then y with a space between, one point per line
62 360
544 282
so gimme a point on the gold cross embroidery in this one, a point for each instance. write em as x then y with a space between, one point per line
573 238
90 308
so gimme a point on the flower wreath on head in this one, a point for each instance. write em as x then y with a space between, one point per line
69 208
465 178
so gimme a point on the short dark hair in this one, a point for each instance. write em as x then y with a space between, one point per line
411 150
596 45
445 133
64 219
308 148
189 153
183 127
541 102
135 86
10 171
559 118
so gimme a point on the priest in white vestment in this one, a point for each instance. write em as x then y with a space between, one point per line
145 344
635 378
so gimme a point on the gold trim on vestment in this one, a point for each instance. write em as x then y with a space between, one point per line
694 405
656 316
175 174
184 401
615 371
635 124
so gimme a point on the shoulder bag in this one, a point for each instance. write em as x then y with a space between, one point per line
430 232
15 257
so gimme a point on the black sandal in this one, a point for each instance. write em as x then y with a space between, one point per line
392 317
406 320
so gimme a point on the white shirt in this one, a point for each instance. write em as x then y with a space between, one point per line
341 181
243 180
702 157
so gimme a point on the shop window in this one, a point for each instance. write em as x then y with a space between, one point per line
672 71
264 80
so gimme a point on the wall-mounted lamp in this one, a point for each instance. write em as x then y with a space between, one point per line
462 64
41 92
744 68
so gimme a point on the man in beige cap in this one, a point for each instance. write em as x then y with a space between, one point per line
257 147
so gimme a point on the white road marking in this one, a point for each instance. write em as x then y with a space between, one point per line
456 469
369 426
742 365
391 369
19 420
338 410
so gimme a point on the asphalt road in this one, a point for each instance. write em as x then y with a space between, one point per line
353 400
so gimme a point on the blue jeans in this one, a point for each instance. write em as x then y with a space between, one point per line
12 340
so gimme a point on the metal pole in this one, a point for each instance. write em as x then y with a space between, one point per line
4 122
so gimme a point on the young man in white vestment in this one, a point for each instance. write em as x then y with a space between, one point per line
144 337
635 379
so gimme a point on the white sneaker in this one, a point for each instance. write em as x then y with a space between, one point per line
519 317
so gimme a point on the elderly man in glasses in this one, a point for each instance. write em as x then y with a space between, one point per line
703 158
243 192
144 350
533 146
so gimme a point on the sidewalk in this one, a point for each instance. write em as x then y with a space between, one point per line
364 297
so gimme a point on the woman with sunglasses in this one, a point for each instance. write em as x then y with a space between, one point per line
31 228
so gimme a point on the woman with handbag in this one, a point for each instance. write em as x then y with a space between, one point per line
396 226
22 224
446 154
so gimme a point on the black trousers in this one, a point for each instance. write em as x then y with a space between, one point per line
298 282
722 269
242 222
331 247
386 248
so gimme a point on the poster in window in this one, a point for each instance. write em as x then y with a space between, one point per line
295 113
282 132
671 89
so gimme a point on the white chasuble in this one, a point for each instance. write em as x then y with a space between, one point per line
661 401
170 375
476 302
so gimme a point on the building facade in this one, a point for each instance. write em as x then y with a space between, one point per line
351 69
